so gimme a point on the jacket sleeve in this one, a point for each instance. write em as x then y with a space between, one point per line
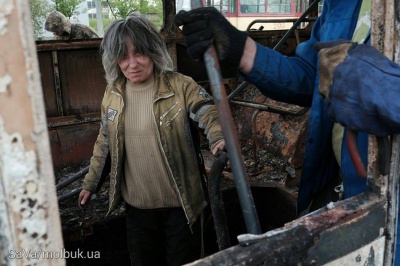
364 95
283 78
202 111
289 79
98 160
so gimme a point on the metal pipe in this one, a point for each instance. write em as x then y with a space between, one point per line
254 136
69 194
279 20
231 139
237 90
296 24
272 109
73 178
216 201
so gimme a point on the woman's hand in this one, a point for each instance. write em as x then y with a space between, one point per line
220 146
84 197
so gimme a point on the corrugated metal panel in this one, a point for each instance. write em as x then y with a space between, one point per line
73 86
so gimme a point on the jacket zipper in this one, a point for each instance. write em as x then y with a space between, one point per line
116 163
168 123
166 160
167 112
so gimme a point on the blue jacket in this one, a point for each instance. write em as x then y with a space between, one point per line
295 80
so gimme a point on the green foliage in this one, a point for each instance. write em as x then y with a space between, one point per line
68 7
93 23
39 10
157 11
122 8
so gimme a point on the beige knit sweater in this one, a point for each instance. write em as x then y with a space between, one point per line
147 184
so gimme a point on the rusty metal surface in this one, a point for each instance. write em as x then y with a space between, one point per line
72 145
73 86
82 81
273 140
67 45
80 77
316 239
48 83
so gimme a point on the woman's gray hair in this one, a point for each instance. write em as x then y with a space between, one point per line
146 40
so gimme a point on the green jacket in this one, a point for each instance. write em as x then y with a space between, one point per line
179 104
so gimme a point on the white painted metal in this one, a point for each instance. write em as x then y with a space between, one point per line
371 254
30 229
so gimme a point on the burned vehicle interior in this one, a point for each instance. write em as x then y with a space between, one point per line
271 137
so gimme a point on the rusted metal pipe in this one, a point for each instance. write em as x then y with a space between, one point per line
254 135
232 143
272 109
231 139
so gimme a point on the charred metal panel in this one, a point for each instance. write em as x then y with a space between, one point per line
276 133
318 238
359 230
72 145
371 254
59 45
73 84
82 81
48 83
80 78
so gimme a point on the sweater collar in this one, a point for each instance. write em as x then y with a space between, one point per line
161 83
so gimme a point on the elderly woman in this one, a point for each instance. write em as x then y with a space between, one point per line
148 114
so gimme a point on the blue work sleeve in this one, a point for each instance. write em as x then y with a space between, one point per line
365 92
289 79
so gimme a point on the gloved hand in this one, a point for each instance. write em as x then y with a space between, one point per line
331 54
361 87
203 26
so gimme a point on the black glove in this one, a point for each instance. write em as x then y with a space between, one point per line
204 25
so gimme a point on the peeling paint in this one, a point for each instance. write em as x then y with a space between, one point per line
34 85
371 254
23 199
4 82
5 9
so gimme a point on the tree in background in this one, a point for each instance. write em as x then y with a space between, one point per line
156 11
68 7
39 10
122 8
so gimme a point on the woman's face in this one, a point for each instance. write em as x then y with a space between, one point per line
136 68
